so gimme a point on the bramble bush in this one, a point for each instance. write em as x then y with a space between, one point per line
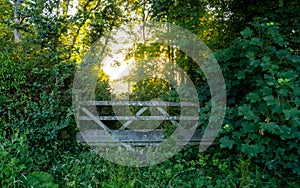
263 85
36 100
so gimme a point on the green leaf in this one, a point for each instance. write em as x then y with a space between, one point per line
266 63
248 127
43 179
270 100
285 132
253 97
256 41
226 142
297 101
243 109
248 114
252 150
241 75
3 153
295 59
297 91
271 127
168 173
280 41
246 32
255 63
250 55
292 113
130 183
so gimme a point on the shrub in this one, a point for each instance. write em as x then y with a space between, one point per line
36 100
263 83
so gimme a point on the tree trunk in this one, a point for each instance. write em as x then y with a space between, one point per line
17 33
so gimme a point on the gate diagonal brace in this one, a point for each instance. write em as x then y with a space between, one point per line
103 126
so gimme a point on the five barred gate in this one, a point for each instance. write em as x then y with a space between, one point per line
103 135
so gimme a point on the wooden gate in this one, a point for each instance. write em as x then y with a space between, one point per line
127 137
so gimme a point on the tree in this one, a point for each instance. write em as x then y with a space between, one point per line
17 20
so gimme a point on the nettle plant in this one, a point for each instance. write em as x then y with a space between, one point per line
263 85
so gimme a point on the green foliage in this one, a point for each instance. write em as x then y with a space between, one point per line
6 13
12 77
186 169
153 88
259 144
262 78
37 101
14 158
186 14
230 17
103 89
40 179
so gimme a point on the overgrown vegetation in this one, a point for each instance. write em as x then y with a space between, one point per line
263 81
256 45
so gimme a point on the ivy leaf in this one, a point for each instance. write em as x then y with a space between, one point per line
252 150
248 127
266 63
292 113
270 100
248 114
271 127
243 109
285 132
253 97
226 142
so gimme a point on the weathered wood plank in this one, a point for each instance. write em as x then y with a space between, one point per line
135 138
139 103
145 118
